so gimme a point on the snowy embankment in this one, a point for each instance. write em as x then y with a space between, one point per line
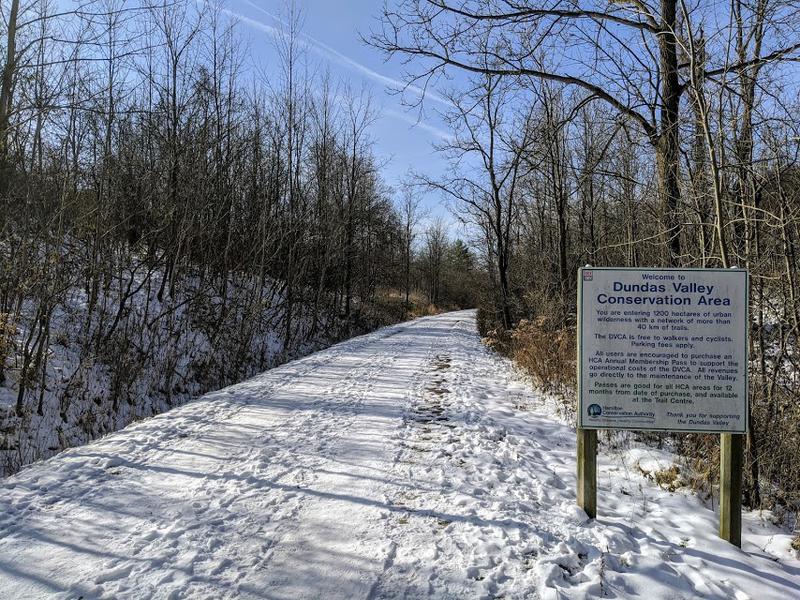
407 463
128 355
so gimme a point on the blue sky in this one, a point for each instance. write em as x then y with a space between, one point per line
403 135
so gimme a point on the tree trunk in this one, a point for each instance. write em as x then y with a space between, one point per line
6 88
667 142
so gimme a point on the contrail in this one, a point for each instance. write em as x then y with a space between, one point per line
330 53
405 117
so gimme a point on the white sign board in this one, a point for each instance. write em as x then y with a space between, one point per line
663 349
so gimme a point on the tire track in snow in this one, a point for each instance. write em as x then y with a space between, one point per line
266 476
323 428
90 482
345 498
466 531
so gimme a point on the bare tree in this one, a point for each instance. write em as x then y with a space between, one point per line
624 54
487 195
410 215
433 258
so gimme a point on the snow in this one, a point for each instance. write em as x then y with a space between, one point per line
162 354
410 462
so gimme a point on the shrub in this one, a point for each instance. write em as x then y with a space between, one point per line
547 352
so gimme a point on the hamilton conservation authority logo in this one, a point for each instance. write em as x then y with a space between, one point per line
594 410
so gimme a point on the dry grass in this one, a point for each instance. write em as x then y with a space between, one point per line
423 310
669 478
392 303
547 353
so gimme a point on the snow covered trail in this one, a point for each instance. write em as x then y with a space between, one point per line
407 463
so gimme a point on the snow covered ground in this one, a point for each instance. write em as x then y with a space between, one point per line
407 463
99 374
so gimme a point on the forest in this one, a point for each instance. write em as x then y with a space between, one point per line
173 221
632 133
400 299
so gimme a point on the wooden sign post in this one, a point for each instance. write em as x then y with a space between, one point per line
730 488
587 471
664 350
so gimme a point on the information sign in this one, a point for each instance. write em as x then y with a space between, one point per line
663 349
